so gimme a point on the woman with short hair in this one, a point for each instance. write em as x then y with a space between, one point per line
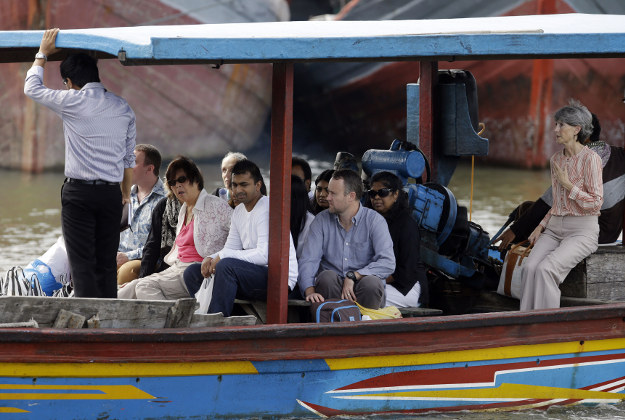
570 230
202 229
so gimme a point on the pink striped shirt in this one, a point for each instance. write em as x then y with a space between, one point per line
586 196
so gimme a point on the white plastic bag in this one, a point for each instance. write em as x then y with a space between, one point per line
204 295
56 258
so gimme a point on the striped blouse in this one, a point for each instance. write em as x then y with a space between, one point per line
586 196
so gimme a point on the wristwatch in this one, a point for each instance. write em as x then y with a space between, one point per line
41 55
352 276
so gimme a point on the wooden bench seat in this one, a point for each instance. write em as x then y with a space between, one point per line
298 310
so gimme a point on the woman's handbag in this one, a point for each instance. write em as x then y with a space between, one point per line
510 279
204 295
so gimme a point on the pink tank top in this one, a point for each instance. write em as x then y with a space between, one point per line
186 246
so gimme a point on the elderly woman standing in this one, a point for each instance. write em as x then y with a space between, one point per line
570 231
202 228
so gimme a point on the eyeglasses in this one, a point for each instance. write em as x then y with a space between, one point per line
182 179
383 192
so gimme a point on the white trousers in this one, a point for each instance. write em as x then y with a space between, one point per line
166 285
395 298
566 241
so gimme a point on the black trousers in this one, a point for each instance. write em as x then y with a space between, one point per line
90 218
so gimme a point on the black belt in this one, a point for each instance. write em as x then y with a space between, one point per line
96 182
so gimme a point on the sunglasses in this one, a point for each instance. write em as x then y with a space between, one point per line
181 179
383 192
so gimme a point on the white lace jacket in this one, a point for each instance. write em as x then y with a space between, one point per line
211 226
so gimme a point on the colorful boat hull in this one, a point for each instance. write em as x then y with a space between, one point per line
480 362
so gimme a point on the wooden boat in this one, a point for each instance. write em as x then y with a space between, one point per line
476 362
517 97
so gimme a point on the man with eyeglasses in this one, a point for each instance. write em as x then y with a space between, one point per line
99 131
348 252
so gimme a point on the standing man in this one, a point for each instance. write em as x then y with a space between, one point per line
240 268
99 131
146 192
348 252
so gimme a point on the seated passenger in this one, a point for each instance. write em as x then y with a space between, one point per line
146 192
227 163
162 235
240 267
570 231
348 252
301 218
407 286
611 217
301 168
202 228
320 200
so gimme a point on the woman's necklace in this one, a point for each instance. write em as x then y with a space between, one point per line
189 215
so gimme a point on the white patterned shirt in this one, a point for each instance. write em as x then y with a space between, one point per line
132 240
99 128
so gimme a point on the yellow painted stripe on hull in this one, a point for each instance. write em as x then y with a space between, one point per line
89 370
4 410
101 392
505 391
509 352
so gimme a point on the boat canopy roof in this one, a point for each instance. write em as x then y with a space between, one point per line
564 35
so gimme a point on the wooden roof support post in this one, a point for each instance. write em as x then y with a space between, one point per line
428 79
280 197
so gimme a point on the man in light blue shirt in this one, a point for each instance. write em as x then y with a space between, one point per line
100 133
349 251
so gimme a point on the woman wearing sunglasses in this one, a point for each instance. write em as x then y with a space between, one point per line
407 286
202 229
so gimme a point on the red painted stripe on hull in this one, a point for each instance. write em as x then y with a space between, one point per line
464 375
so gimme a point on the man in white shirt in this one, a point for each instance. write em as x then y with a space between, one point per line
240 268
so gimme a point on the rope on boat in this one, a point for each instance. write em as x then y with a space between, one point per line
482 128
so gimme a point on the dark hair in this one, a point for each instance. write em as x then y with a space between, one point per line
392 181
596 129
351 180
301 162
152 156
247 166
190 170
326 176
81 68
299 207
577 115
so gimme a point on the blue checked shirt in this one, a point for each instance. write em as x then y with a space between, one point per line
99 128
132 240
